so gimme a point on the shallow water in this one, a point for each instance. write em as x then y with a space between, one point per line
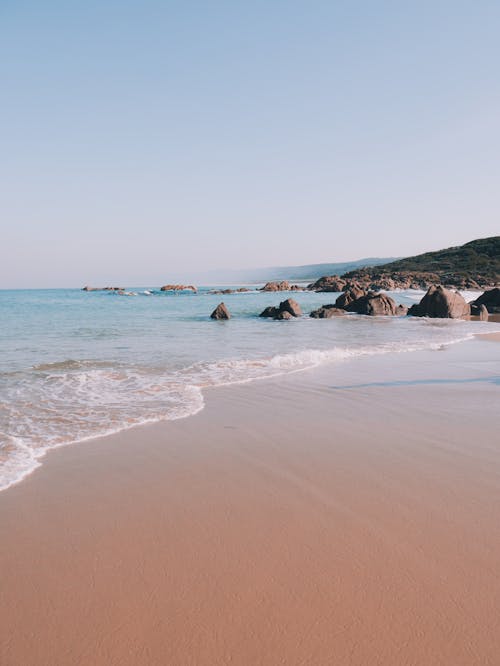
76 365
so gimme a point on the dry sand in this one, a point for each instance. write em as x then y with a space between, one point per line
348 515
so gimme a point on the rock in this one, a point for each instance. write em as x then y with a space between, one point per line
401 310
327 311
284 314
270 311
290 306
178 287
220 312
441 302
480 311
327 283
373 304
87 288
349 296
490 299
276 286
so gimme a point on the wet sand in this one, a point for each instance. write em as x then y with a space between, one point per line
346 515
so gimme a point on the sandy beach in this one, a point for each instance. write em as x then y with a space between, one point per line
345 515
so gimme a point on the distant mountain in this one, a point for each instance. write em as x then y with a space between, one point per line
475 262
309 272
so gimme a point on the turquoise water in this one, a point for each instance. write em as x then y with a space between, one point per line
76 365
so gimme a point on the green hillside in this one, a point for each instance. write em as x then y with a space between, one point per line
478 260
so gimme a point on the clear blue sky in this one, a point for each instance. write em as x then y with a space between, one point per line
142 141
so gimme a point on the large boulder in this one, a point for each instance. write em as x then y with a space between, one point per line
373 304
290 306
441 302
220 312
491 299
349 296
327 311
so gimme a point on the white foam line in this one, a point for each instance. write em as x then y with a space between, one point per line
320 357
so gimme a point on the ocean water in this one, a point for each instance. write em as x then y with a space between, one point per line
77 365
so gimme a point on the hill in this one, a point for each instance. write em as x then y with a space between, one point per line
473 265
292 273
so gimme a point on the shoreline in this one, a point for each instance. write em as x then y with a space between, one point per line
38 459
275 526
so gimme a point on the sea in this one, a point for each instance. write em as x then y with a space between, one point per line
77 365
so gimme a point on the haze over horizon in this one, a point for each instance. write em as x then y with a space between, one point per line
146 142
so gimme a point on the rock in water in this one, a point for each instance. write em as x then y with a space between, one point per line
270 311
290 306
284 314
276 286
286 310
441 302
491 299
349 296
220 312
327 311
374 305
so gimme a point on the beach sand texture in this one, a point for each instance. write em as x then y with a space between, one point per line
346 515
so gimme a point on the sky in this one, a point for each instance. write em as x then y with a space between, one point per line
145 141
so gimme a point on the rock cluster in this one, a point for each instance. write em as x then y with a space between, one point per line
87 288
286 310
441 302
241 290
221 312
328 283
284 285
178 287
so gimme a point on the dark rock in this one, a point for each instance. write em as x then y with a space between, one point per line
480 311
220 312
327 311
441 302
491 299
284 314
270 311
349 296
373 304
290 306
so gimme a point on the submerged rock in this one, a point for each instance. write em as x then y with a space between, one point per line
220 312
441 302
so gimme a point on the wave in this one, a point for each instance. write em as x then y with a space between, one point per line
70 401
